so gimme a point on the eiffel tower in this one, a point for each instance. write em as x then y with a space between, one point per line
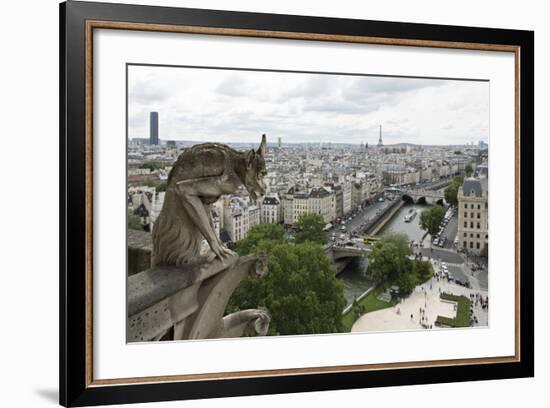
380 144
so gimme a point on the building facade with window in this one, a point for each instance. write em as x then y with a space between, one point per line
271 210
321 202
238 217
473 216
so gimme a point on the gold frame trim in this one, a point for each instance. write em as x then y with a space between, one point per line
99 24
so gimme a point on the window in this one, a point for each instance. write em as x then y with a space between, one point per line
471 235
478 225
471 225
471 215
477 236
477 245
465 214
465 224
479 206
465 246
472 206
465 205
478 215
471 244
465 235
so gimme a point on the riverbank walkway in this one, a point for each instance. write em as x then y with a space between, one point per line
424 297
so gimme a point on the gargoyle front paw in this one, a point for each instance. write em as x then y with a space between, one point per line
222 251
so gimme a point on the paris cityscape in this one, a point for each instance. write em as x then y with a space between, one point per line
361 235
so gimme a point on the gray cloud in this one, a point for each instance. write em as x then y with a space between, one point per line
232 86
222 105
147 92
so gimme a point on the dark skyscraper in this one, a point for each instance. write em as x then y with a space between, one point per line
154 128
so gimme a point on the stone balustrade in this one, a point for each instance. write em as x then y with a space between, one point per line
188 302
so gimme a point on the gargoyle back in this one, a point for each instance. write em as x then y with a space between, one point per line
204 160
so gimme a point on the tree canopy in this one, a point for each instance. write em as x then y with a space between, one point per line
300 290
310 228
152 166
430 219
390 264
134 221
258 233
468 170
389 259
161 186
451 192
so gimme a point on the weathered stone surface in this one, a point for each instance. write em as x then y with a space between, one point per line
192 300
201 175
250 322
139 251
149 287
153 322
174 290
214 295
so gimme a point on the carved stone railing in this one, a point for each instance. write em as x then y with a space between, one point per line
139 251
188 302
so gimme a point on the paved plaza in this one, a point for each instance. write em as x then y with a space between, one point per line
425 297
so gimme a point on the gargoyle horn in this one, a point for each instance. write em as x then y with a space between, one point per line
263 146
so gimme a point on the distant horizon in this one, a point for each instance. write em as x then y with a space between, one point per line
475 143
228 104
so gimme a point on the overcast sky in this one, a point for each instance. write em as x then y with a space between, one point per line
238 106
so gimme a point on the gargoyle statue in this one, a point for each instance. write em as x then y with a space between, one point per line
199 177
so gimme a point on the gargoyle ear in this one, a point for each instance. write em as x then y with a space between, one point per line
263 146
250 155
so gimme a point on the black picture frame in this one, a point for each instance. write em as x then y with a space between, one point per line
75 386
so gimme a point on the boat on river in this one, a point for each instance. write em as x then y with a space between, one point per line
410 215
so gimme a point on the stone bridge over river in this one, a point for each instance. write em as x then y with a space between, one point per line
423 196
341 255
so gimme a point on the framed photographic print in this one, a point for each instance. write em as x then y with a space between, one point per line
256 203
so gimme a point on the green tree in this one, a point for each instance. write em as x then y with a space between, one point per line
134 221
430 219
451 192
358 309
257 234
161 186
401 243
389 259
310 228
468 170
390 264
152 166
300 291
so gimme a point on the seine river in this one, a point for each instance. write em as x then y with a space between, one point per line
354 278
398 225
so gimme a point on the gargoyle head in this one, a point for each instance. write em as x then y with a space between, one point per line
255 171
